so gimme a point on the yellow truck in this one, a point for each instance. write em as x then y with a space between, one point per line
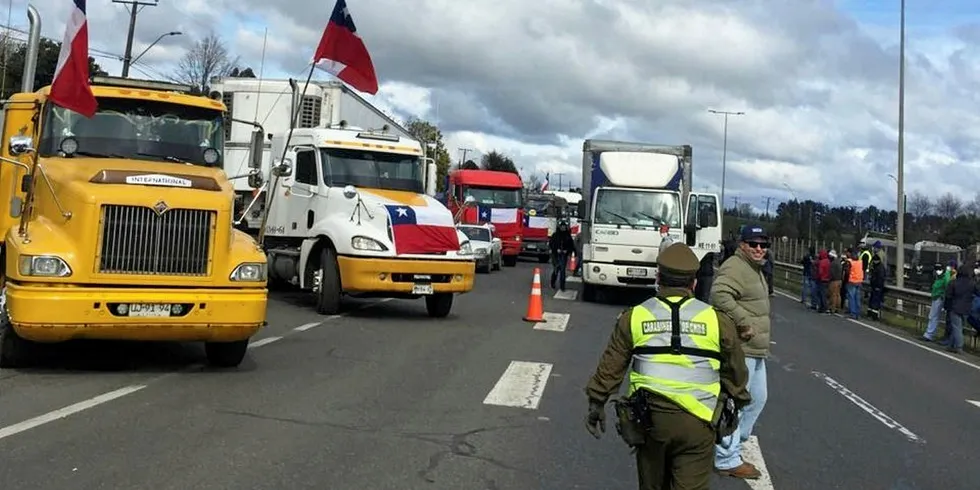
120 227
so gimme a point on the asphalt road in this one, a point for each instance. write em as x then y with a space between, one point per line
382 397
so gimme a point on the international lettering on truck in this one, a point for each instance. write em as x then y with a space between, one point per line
348 215
489 196
119 227
635 195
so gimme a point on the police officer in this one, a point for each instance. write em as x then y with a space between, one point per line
686 369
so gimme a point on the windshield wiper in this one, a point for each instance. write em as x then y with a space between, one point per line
625 219
656 220
83 153
168 158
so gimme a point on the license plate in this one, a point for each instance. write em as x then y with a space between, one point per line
635 272
531 246
148 310
422 289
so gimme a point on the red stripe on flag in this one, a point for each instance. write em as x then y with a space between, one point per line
70 89
341 45
423 239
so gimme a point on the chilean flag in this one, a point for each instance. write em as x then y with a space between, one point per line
487 214
342 52
544 185
70 88
422 230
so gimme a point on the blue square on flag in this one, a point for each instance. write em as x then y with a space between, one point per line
401 215
527 220
483 213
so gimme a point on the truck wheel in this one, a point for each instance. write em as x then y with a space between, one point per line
438 305
497 264
226 354
13 349
510 260
543 259
328 296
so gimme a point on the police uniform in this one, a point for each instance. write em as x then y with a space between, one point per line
683 389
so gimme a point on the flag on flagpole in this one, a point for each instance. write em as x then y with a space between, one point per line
544 185
70 86
342 52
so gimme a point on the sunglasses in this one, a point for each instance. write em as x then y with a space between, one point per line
762 245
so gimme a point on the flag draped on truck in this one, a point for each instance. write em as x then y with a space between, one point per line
422 230
487 214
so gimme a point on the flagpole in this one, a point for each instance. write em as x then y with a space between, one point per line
273 189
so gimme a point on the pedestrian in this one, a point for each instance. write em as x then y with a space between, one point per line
877 283
561 245
676 402
823 280
960 295
845 273
740 293
854 282
833 287
807 263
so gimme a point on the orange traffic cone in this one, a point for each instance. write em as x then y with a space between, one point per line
535 307
571 263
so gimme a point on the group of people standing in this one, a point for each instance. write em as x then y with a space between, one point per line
954 291
835 284
697 370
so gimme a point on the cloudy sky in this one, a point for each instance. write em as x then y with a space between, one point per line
817 79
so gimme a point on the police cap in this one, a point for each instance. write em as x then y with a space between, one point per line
679 259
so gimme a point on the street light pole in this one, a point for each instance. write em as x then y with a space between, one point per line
173 33
724 154
900 180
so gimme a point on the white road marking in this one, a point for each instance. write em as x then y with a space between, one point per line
553 322
573 279
67 411
867 407
568 294
974 403
902 339
307 326
752 452
521 385
265 341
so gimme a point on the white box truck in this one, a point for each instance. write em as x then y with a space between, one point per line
633 195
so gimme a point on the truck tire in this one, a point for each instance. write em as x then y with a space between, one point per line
328 297
439 305
14 350
510 260
226 354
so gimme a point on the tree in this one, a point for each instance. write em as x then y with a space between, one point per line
426 133
919 205
470 165
948 206
242 73
208 58
47 61
499 162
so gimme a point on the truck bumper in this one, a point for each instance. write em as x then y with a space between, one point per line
534 248
605 274
400 276
55 313
510 248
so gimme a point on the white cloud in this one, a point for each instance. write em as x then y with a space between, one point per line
532 79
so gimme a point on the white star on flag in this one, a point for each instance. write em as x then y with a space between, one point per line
402 212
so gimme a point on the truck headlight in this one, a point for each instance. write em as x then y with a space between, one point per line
465 248
43 266
249 272
365 243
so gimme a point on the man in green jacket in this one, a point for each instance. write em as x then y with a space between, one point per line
938 296
740 292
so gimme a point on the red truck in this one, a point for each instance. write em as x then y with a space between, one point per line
497 200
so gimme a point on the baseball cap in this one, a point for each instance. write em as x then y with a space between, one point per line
753 233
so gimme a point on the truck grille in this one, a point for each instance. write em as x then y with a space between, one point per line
137 240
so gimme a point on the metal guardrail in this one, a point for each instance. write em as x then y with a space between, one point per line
902 307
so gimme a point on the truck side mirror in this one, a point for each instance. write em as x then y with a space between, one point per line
256 149
284 169
20 145
581 210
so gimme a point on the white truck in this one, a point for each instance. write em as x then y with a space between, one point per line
274 103
633 195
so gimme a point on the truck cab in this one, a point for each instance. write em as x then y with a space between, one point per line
541 220
637 195
481 196
348 216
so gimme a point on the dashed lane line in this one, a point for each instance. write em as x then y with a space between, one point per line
974 403
899 338
95 401
553 322
868 407
521 385
568 295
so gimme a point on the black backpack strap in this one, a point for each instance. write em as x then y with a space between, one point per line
676 348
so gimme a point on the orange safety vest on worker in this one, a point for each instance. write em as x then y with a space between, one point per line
856 275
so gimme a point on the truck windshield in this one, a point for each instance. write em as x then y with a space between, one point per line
637 208
552 208
372 169
137 129
498 198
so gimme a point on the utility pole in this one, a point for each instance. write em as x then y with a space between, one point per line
462 159
724 155
736 205
900 225
559 174
768 199
134 8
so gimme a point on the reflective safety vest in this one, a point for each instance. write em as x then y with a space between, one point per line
856 273
677 353
865 257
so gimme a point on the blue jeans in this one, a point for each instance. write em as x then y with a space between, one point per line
726 459
955 339
854 299
807 287
559 264
935 311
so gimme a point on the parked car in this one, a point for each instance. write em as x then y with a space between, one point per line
485 244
